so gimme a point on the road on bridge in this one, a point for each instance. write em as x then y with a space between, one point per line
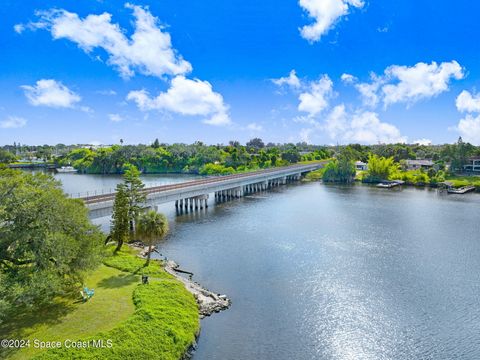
209 180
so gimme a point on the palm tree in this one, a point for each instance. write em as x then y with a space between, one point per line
151 226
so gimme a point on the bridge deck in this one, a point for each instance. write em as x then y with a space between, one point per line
172 192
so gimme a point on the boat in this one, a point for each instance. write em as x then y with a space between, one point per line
461 190
66 169
390 184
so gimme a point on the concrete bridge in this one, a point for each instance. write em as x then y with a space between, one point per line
194 194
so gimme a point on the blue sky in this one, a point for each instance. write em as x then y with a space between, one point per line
321 71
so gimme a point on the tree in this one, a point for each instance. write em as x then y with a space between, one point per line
6 157
134 190
120 224
380 168
342 169
156 144
151 227
256 143
47 242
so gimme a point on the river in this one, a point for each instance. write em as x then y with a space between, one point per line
335 272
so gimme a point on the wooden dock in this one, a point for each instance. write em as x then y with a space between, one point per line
461 190
390 184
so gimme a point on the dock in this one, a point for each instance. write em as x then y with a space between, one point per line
461 190
390 184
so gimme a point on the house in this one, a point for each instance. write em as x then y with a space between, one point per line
419 164
361 166
472 165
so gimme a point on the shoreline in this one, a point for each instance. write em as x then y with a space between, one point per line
208 301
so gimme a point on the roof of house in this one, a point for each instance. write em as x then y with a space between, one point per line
360 163
424 162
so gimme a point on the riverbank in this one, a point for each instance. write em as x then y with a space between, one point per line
208 302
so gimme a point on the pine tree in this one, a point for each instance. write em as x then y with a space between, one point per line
136 195
120 224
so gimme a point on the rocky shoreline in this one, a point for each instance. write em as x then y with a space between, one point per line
208 301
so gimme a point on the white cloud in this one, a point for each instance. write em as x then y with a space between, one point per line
254 127
326 13
315 99
466 102
404 84
186 97
418 82
469 129
19 28
291 80
362 127
115 117
147 51
109 92
13 122
423 141
51 93
305 135
348 78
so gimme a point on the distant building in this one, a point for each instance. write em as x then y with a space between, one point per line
472 165
419 164
361 166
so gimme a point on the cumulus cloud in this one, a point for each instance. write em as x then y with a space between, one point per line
51 93
467 102
304 135
115 117
409 84
148 50
316 98
348 78
420 81
325 14
254 127
362 127
423 141
291 80
186 97
369 91
469 129
469 126
13 122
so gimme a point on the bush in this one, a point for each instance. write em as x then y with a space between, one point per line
216 169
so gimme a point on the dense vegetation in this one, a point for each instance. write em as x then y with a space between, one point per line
47 242
164 158
341 169
224 159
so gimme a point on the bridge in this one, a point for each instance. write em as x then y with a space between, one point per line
194 194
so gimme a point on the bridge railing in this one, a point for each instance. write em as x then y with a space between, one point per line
94 198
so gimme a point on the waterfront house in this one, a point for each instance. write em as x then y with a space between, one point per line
361 166
419 164
472 165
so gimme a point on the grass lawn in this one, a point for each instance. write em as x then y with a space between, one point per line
154 321
73 319
459 181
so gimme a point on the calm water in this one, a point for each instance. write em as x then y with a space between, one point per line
331 272
82 184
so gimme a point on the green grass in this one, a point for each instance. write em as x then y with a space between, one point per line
315 175
127 260
70 318
163 327
460 181
155 321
